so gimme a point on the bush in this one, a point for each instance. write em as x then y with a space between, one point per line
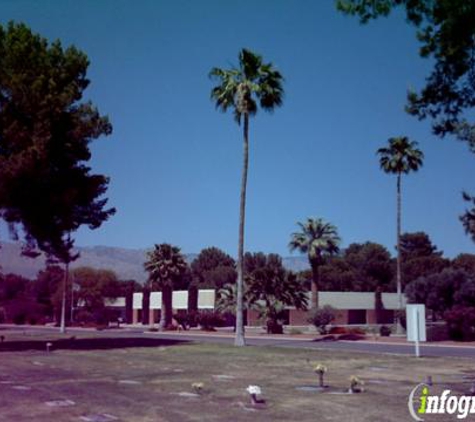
384 331
23 310
84 317
209 320
321 317
357 331
461 323
437 332
401 317
274 327
338 330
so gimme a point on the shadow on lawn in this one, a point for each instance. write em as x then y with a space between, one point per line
87 344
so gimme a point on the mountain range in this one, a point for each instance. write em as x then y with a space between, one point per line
126 263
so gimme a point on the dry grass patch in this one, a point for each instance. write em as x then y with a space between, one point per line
155 384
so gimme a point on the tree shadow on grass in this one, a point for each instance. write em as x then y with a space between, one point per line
87 344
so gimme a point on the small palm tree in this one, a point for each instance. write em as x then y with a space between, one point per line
241 89
165 265
317 239
400 157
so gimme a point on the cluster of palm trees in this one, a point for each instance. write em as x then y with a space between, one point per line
254 82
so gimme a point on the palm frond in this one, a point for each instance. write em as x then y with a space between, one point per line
401 156
243 87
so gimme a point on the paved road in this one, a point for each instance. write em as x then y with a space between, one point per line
355 346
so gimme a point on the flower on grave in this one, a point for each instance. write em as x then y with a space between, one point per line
197 386
320 368
254 390
356 384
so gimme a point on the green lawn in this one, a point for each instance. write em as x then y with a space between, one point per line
152 382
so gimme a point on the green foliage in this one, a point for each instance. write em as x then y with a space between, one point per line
461 323
420 257
166 267
269 282
13 286
360 267
442 291
465 261
372 264
45 132
226 299
423 266
242 88
210 320
401 156
417 245
48 283
319 240
18 301
468 217
270 288
93 288
336 275
321 317
213 268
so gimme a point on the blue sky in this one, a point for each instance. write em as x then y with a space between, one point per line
175 162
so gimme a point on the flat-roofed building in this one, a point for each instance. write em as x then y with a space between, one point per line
352 308
206 300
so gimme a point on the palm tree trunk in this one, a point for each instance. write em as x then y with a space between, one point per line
166 311
398 261
239 338
315 284
62 328
169 306
146 291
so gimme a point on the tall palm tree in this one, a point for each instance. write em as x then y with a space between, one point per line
241 89
400 157
317 239
165 265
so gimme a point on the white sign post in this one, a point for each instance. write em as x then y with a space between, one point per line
416 325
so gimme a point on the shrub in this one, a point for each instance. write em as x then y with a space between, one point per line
24 310
437 332
461 323
321 317
357 330
338 330
84 317
274 327
401 316
384 331
210 320
351 337
185 319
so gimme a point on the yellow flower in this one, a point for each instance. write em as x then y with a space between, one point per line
354 380
320 368
198 386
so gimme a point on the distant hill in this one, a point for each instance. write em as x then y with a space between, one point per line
126 263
